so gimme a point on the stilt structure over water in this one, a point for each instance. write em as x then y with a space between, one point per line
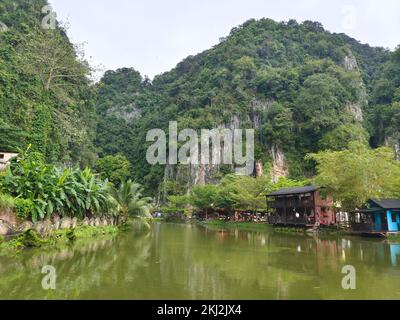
377 218
301 207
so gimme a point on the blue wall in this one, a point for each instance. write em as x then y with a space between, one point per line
392 226
378 221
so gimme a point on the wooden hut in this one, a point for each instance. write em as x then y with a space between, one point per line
300 207
377 217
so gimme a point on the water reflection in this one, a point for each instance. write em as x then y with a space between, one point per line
190 262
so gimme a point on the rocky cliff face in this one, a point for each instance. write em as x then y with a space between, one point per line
356 110
350 62
279 165
397 150
293 83
128 113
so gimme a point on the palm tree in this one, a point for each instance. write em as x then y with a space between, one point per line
128 200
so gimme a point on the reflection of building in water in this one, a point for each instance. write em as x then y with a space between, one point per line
327 253
395 254
372 252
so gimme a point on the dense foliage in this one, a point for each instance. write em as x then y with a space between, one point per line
385 107
38 191
114 168
45 95
43 190
302 88
358 173
233 193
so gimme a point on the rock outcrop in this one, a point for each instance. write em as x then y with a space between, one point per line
279 165
5 228
350 62
356 110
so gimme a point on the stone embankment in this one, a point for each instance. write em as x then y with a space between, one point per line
47 226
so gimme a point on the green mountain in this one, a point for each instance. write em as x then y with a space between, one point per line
301 87
45 96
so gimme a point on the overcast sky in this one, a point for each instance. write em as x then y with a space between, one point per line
154 35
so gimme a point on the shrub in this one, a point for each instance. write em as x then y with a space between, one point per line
31 239
49 190
7 202
23 208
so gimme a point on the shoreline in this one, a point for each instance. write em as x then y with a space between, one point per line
252 226
31 239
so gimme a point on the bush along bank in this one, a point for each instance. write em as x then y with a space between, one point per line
39 201
38 236
235 225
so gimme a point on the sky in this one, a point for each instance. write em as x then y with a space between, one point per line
152 36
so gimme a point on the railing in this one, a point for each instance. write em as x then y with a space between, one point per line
291 203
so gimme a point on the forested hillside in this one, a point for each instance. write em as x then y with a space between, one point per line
302 88
45 95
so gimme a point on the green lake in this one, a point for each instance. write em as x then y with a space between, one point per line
173 261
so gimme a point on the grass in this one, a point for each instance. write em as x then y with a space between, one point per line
235 225
7 202
251 226
31 239
156 220
394 238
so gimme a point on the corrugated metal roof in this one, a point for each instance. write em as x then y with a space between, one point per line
387 203
297 190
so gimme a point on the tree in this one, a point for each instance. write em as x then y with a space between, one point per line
128 200
52 58
321 102
243 193
45 90
357 174
115 168
203 197
340 137
11 137
284 183
177 206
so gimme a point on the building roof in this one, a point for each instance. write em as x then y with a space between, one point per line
387 203
297 190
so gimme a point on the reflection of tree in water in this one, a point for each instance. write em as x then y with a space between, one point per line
191 262
286 266
81 268
245 264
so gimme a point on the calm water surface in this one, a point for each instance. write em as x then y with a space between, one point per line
171 261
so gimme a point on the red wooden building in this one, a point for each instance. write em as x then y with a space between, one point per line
300 206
